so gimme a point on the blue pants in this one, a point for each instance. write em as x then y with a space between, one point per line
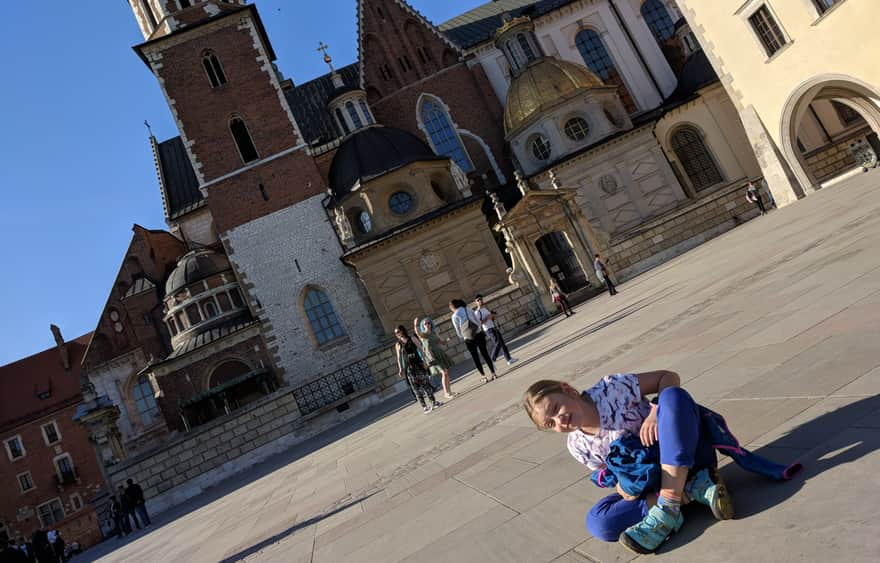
681 444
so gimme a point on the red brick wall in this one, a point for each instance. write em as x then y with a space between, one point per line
80 525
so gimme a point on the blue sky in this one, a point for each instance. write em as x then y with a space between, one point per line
76 170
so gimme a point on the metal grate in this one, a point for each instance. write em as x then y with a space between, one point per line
334 387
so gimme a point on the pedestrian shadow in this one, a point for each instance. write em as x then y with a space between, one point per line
833 439
290 531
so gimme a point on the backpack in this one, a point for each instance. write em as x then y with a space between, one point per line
470 330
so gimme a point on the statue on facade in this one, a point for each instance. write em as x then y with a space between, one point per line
497 205
460 178
521 182
554 181
346 235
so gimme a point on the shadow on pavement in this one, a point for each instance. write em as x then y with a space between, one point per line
827 441
290 531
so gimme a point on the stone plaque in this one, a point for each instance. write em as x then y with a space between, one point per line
608 184
429 262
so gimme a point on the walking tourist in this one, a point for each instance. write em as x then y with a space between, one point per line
603 275
486 318
468 329
436 357
127 510
754 196
658 455
135 495
411 365
560 298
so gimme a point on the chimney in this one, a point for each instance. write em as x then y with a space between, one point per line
62 347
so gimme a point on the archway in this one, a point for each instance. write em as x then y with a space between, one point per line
829 154
561 262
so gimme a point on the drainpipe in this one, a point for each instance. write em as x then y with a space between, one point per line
638 51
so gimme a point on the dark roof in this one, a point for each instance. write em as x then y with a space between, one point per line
479 25
308 102
23 380
195 265
372 152
696 73
180 188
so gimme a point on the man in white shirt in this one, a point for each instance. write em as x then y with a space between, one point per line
487 321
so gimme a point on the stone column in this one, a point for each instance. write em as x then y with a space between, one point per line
777 173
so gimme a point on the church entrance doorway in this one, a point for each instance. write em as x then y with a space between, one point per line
560 261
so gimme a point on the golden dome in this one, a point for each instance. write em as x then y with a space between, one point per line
541 86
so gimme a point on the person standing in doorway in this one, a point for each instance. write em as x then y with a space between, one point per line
468 329
603 275
135 495
754 196
435 356
560 298
411 365
486 318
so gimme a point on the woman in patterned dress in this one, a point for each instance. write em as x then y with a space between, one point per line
438 360
411 365
616 406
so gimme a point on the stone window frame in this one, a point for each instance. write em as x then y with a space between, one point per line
58 471
76 499
624 90
217 77
21 447
749 9
657 6
531 147
413 201
317 344
53 424
54 520
30 478
455 136
133 384
149 15
710 154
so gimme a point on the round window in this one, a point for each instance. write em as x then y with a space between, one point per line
400 203
577 129
364 223
540 147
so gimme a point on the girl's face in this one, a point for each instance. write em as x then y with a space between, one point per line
400 336
561 412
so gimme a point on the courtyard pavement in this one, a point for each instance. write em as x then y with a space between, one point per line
775 324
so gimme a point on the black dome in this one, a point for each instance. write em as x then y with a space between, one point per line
194 266
372 152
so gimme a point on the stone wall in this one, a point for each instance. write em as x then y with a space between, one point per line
834 159
680 230
201 458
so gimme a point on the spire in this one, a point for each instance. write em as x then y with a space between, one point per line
334 76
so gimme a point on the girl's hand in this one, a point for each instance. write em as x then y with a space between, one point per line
624 494
400 373
650 432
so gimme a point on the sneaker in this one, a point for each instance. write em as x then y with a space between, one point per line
707 487
436 405
652 531
512 361
426 409
449 396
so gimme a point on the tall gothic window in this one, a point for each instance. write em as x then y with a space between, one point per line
145 402
148 12
598 60
443 136
322 318
215 72
695 158
243 140
658 20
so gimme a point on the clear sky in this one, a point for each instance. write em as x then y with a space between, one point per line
76 169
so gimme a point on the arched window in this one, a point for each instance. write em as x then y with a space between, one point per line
597 59
243 140
367 115
148 12
577 128
209 308
215 72
322 318
695 158
341 120
443 136
355 118
658 20
526 47
144 400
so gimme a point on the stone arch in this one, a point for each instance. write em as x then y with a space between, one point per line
502 179
845 89
440 106
225 370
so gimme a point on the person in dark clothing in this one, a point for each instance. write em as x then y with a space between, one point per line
135 495
754 196
42 551
127 510
11 554
119 518
603 275
58 546
412 367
